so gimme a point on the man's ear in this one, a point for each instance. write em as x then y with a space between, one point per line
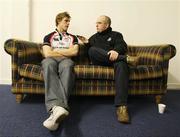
107 26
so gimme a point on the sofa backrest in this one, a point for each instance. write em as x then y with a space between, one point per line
148 54
82 58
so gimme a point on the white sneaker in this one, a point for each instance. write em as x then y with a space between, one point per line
50 124
57 115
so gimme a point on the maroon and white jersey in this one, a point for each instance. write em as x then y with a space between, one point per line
60 40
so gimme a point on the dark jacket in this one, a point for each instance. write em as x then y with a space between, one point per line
109 40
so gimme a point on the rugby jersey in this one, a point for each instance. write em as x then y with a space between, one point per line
60 40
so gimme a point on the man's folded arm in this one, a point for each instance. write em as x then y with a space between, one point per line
70 52
48 52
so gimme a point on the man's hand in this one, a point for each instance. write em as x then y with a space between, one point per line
82 39
113 55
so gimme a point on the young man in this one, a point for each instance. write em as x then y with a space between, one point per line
108 48
59 46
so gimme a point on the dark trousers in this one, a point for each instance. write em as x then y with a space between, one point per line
121 72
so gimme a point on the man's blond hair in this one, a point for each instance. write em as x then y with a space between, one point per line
60 16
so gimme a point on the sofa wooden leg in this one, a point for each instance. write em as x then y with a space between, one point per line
19 98
158 99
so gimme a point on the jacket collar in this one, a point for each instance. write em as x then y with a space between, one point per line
105 31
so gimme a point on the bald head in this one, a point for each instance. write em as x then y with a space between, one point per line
103 22
105 19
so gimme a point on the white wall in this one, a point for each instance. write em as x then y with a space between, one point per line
5 32
140 21
14 24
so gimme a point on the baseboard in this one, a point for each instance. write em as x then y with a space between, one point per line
173 86
5 81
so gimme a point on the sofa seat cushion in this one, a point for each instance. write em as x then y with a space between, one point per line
107 73
96 72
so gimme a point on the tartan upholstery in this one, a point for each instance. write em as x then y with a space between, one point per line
149 77
31 71
95 72
93 87
22 52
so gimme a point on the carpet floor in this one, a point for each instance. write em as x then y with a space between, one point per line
89 117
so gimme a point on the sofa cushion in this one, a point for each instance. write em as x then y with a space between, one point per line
31 71
107 73
96 72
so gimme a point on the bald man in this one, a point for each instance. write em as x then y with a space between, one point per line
108 48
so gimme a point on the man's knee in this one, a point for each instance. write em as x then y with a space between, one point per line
95 52
66 63
92 51
48 62
66 66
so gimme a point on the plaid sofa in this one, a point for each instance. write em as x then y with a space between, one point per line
148 78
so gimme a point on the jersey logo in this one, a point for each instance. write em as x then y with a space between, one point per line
65 42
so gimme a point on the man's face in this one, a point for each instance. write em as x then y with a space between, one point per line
64 24
101 25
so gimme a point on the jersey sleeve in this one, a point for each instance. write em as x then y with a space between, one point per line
75 41
46 40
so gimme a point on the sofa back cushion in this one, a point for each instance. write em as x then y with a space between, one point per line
82 57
